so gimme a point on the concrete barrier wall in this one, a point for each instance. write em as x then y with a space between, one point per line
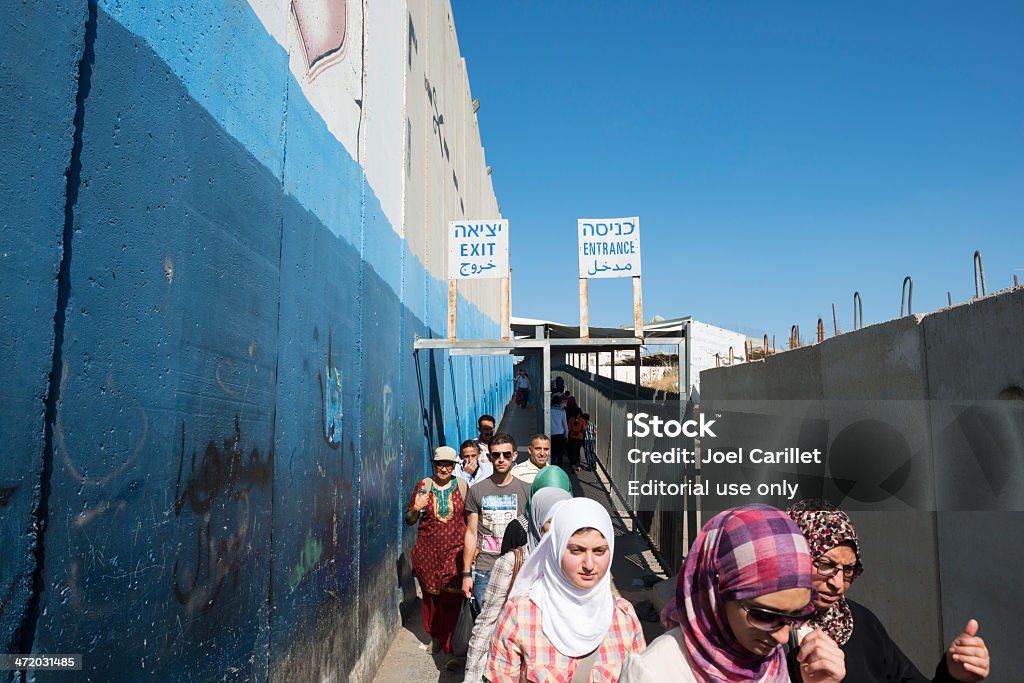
37 110
925 575
235 409
974 354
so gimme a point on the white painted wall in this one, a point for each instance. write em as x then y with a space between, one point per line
706 340
422 154
447 178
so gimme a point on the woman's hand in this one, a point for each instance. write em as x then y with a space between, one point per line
421 499
821 660
967 656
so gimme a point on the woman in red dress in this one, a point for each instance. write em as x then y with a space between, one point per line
437 503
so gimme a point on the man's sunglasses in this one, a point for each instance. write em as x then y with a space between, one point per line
764 619
502 455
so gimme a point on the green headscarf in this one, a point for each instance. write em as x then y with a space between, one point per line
552 475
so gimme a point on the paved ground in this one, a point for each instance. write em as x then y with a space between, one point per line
407 659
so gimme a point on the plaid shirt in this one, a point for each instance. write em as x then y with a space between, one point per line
519 645
483 627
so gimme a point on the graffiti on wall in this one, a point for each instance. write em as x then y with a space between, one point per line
6 493
215 488
331 520
312 551
379 466
110 390
330 398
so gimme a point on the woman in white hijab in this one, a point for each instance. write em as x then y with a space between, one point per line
561 623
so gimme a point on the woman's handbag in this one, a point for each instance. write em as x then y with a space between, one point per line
464 628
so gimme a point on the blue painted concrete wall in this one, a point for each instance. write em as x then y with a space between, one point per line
214 412
37 109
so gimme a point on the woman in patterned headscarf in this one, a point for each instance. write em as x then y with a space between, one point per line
871 655
743 586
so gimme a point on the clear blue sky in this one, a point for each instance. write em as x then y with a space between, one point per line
780 155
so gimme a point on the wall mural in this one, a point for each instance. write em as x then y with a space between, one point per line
323 28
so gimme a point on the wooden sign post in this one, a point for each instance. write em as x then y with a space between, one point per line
638 308
584 309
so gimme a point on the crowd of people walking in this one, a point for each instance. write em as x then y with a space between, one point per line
761 595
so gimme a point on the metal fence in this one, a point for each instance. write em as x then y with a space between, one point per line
607 401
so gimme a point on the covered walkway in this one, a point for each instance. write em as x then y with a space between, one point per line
634 569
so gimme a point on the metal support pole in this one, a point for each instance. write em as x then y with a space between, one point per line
680 380
636 374
686 372
688 470
547 389
692 504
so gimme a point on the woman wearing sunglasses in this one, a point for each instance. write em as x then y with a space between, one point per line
743 587
871 655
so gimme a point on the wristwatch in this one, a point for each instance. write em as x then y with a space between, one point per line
467 574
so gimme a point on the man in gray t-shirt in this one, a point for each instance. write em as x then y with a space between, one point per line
490 505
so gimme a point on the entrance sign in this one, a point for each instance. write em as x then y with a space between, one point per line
477 249
609 247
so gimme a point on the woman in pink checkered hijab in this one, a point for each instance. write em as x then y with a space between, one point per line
744 585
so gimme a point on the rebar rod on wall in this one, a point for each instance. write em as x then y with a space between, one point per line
979 268
909 298
794 337
858 307
821 330
835 323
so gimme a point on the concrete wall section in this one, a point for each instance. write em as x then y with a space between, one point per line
924 369
794 375
847 373
164 457
240 414
39 74
974 355
886 362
